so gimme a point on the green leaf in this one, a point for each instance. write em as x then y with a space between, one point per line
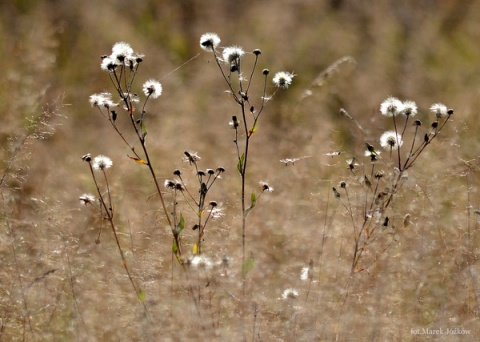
141 295
248 264
253 199
253 202
144 129
254 128
176 252
240 163
180 225
174 247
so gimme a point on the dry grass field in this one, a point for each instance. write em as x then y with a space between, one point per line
329 244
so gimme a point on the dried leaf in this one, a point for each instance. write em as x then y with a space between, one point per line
138 160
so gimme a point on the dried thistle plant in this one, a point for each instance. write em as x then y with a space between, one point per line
122 67
105 209
204 210
381 177
229 61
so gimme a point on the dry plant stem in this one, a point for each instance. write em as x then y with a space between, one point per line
396 184
244 216
141 137
242 99
157 186
242 171
112 225
117 83
197 205
150 167
200 205
107 116
409 162
396 134
110 205
149 163
172 225
201 202
358 250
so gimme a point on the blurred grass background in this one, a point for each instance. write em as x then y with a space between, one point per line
426 51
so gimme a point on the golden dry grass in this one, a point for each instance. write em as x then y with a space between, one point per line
57 284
